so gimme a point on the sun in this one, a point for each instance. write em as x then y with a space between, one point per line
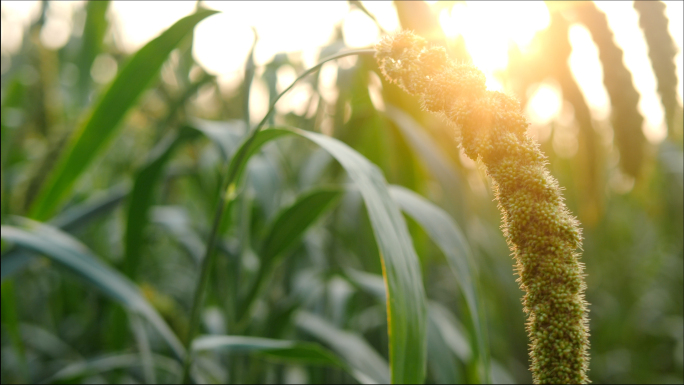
490 27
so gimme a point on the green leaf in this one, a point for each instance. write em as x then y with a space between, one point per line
46 343
449 238
249 149
91 44
356 352
285 231
442 363
451 332
227 135
67 251
71 373
281 350
406 301
407 319
437 162
10 321
16 259
99 204
291 223
177 222
446 337
141 197
100 126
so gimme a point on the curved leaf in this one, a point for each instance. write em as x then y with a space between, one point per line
16 259
67 251
291 223
437 162
109 363
446 234
353 348
141 196
282 350
91 44
98 128
227 134
406 301
287 228
407 319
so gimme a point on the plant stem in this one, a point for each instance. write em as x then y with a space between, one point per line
228 193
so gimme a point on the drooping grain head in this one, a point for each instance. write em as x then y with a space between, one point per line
541 233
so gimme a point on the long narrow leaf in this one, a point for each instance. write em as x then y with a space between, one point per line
293 221
406 303
436 161
446 234
141 197
67 251
98 129
109 363
288 228
17 259
91 44
282 350
354 349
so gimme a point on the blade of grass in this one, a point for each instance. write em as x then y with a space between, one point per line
449 238
446 339
441 361
78 216
70 253
435 159
46 343
105 364
282 350
91 44
249 76
177 222
144 346
141 197
353 348
406 301
100 126
288 227
407 298
16 259
10 321
451 331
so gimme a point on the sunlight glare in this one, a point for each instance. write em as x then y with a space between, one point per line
623 20
16 16
228 55
586 68
327 82
545 103
489 28
675 13
135 25
385 13
359 30
281 26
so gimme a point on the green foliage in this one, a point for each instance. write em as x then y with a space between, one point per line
115 102
314 274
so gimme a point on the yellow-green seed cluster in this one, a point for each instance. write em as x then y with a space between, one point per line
539 229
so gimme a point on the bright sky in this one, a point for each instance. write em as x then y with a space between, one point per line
222 41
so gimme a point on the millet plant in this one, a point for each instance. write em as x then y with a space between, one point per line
540 231
161 224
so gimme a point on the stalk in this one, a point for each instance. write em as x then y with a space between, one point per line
541 233
228 194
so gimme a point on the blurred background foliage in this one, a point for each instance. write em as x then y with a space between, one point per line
152 173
